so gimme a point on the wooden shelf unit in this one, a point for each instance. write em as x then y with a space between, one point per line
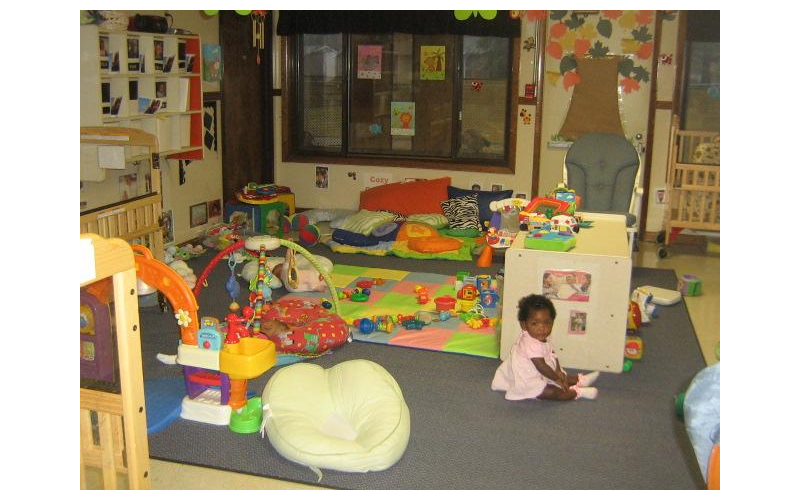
179 124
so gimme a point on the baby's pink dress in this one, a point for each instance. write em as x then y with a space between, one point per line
517 375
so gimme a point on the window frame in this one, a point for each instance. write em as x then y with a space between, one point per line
290 94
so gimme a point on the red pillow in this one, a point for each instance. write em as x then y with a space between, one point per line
407 198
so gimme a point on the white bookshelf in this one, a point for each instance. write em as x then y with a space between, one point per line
134 80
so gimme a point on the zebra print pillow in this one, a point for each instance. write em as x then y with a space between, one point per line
462 213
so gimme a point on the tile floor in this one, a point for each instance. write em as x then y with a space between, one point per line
703 309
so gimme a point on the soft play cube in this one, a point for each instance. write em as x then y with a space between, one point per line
264 218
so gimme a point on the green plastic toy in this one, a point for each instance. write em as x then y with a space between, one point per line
247 419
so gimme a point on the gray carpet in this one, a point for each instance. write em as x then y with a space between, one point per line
463 435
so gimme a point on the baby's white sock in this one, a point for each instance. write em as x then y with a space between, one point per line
167 359
585 392
587 379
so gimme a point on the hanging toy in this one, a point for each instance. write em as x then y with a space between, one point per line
257 18
263 293
232 285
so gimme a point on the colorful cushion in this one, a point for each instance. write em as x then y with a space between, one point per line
460 233
313 329
364 221
462 213
434 244
384 229
437 221
351 417
395 216
407 198
326 214
361 240
411 230
484 198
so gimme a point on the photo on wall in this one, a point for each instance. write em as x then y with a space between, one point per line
577 323
322 177
198 215
169 235
567 284
214 209
133 54
158 53
128 186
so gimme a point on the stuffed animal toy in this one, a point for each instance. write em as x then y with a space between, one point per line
298 274
306 278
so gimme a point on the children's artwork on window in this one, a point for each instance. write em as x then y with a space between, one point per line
403 118
564 284
369 61
432 62
577 323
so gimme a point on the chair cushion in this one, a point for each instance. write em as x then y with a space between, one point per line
351 417
602 169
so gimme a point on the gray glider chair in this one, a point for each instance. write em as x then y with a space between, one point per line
603 169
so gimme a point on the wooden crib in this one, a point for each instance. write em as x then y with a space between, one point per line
137 220
113 419
693 183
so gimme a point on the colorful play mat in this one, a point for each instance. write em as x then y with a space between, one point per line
396 296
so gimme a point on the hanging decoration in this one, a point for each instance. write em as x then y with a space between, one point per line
258 17
463 15
574 36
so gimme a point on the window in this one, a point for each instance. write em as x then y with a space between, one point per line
420 99
702 87
701 84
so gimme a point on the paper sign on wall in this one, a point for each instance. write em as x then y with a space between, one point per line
111 157
372 180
